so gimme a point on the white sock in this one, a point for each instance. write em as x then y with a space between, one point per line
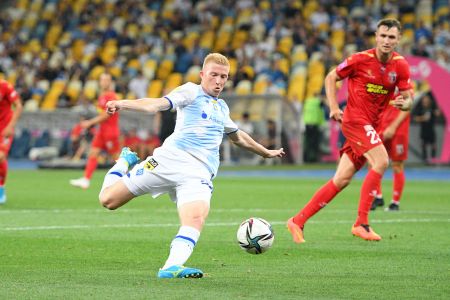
182 246
115 173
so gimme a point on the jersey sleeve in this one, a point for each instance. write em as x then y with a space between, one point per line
347 67
404 82
183 95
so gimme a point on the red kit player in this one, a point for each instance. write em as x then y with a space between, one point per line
106 137
373 76
9 99
394 132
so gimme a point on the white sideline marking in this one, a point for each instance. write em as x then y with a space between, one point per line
213 210
63 227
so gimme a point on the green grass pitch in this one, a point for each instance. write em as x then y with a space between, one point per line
57 242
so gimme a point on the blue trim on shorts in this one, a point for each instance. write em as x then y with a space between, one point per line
185 238
128 175
115 173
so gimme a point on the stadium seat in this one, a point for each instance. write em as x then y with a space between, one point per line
149 69
174 80
51 98
192 75
155 89
244 87
90 89
164 69
207 39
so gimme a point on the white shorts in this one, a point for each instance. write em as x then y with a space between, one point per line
174 172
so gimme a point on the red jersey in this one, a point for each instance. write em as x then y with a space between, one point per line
8 95
110 125
371 84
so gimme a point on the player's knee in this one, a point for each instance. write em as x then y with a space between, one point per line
107 200
381 164
342 183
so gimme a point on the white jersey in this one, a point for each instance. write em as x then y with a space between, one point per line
201 122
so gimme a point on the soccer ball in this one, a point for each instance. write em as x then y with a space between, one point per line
255 235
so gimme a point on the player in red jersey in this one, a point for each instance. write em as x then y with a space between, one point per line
9 99
394 132
372 76
107 137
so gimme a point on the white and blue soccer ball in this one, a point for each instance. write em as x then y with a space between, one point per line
255 235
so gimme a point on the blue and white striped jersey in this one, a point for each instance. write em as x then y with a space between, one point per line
201 122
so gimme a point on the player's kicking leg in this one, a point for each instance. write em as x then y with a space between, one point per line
114 193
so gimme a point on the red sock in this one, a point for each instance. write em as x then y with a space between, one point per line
3 171
368 191
320 199
379 191
90 167
399 183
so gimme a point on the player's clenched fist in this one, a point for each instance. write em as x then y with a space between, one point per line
112 107
401 103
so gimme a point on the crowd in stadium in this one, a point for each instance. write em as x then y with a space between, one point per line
53 51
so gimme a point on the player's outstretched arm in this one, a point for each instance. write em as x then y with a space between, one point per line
150 105
243 140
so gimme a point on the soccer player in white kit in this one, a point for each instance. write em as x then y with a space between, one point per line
186 163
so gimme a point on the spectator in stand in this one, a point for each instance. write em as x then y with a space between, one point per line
138 85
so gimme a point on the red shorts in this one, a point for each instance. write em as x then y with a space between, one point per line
107 142
359 139
5 144
397 147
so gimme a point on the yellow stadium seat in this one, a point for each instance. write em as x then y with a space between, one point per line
283 64
96 71
73 89
192 75
78 49
233 66
207 39
155 89
22 4
297 86
174 80
285 45
115 71
338 39
149 68
90 89
164 69
222 40
244 87
52 36
260 87
239 38
51 98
